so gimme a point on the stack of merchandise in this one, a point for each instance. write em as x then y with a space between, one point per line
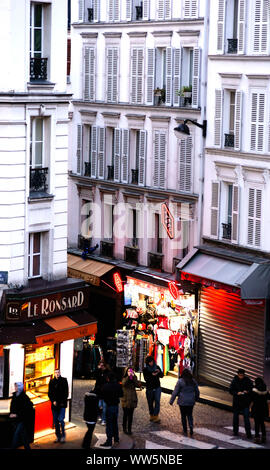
124 348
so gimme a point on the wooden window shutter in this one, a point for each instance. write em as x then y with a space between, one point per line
220 26
191 9
101 152
150 80
112 74
241 26
81 10
137 79
89 74
160 9
257 121
94 146
146 8
125 156
196 77
238 120
96 8
176 76
218 117
159 173
235 213
169 70
185 164
79 148
156 160
117 154
254 216
215 209
128 10
168 9
142 157
261 26
116 10
111 10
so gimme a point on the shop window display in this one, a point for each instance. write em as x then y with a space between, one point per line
39 368
163 327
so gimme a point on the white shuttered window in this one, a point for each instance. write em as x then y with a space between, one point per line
215 209
89 73
185 164
142 157
159 174
261 26
113 10
137 80
254 216
112 74
257 122
218 117
191 9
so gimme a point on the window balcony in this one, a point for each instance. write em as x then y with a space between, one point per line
139 12
134 176
227 231
38 68
107 248
155 261
110 173
90 14
229 140
232 46
38 181
87 169
132 255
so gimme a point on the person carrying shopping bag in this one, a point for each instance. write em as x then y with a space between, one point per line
188 393
129 400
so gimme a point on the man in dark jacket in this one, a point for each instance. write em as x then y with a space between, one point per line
112 391
240 389
152 373
58 394
22 414
90 416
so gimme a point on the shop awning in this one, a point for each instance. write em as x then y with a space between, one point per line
51 330
252 278
89 270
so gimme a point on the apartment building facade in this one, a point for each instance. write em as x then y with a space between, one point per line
232 263
34 288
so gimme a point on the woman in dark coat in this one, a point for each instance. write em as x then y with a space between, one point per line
22 412
101 379
129 400
259 408
90 416
188 393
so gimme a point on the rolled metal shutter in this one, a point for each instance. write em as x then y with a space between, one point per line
231 335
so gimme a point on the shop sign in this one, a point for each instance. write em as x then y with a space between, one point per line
173 290
118 282
49 305
253 302
167 220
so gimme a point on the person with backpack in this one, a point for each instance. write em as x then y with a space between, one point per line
188 393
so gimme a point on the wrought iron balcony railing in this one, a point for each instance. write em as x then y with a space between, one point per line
39 180
134 176
87 169
90 14
139 12
232 46
107 248
38 68
110 174
229 140
227 231
132 255
155 261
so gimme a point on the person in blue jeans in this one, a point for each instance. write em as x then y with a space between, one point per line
240 389
101 379
112 392
58 394
152 373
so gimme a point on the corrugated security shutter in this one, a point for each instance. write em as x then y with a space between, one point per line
231 335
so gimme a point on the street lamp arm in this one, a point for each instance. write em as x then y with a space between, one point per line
202 126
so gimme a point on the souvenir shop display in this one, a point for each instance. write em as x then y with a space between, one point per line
124 348
163 326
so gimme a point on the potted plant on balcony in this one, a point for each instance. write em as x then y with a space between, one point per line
185 91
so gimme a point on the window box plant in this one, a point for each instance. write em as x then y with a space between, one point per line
185 91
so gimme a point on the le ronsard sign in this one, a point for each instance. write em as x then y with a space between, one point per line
47 305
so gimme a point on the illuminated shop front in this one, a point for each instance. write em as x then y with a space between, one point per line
164 321
37 333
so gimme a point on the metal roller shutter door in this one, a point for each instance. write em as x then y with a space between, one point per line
231 335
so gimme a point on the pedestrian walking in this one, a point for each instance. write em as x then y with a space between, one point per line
22 415
259 409
240 389
90 416
112 392
101 379
129 400
58 394
152 373
188 393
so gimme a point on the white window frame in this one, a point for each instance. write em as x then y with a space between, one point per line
31 255
33 28
33 143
